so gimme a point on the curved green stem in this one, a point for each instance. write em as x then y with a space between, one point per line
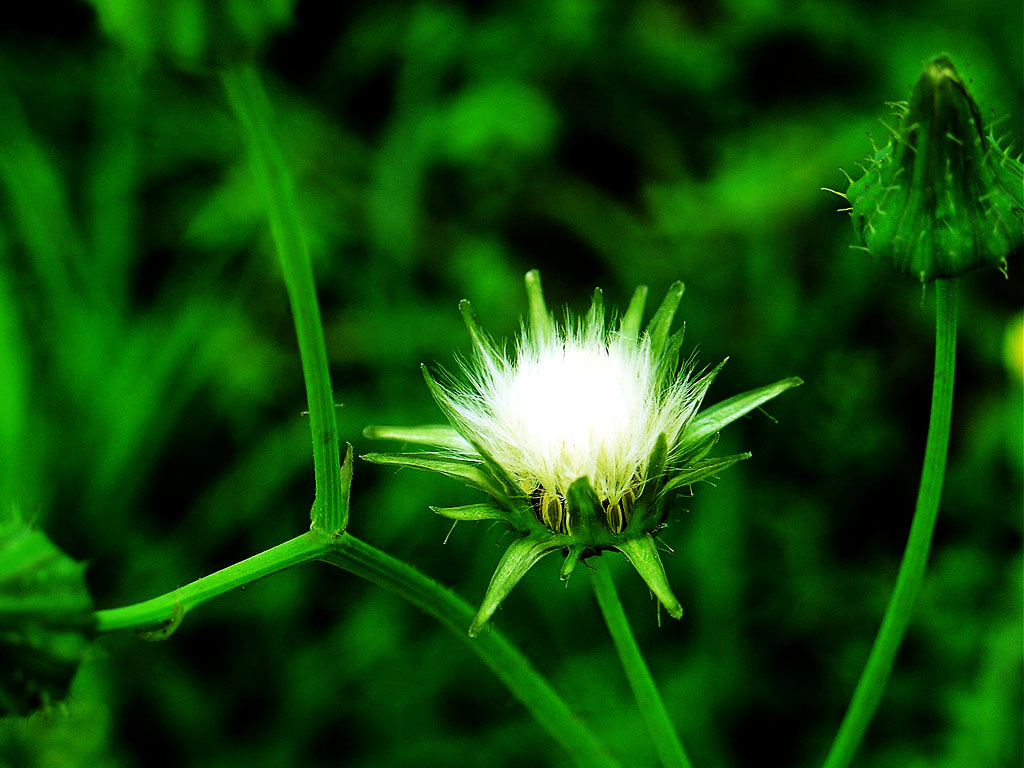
160 616
274 179
666 740
493 648
876 673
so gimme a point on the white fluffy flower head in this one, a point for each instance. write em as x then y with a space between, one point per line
579 401
582 437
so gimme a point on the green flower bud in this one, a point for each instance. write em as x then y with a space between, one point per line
582 439
46 620
942 197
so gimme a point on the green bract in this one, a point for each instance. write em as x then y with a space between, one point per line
582 438
942 197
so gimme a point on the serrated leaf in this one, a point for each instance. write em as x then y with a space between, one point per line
718 416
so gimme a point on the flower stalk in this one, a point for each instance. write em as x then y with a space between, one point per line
274 179
875 676
505 660
652 708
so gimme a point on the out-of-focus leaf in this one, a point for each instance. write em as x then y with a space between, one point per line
46 619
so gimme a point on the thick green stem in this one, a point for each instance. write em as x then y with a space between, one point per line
876 673
504 659
652 708
162 615
274 180
159 617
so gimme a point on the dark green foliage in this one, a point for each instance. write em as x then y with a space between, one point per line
45 620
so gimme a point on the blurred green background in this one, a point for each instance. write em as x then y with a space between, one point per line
151 392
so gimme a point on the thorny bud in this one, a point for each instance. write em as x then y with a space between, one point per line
942 197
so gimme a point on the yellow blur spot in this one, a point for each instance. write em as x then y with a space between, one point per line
1013 346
